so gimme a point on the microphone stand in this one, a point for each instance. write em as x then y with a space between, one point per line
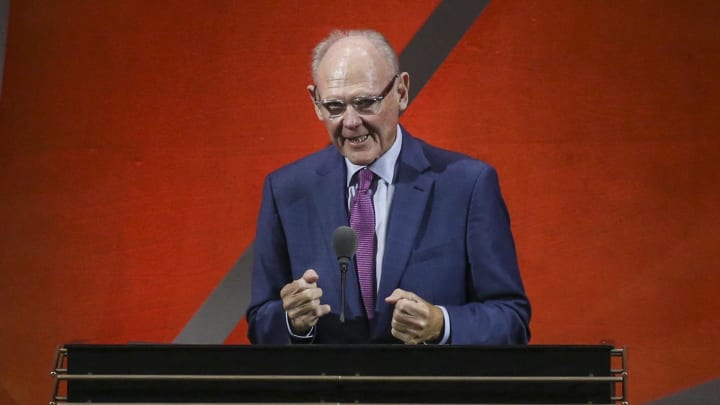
343 278
344 242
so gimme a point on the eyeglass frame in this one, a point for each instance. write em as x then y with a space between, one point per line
377 100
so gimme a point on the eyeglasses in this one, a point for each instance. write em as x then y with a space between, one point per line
368 105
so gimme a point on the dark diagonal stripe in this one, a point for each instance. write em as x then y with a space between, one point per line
224 308
703 394
442 31
432 44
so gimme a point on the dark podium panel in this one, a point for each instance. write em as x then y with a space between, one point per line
337 374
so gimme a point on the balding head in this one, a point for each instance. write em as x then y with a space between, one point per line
350 60
379 42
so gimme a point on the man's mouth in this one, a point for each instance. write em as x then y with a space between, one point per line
358 139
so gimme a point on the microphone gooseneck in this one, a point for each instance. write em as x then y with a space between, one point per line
345 242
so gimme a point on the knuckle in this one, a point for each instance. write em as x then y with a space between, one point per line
309 294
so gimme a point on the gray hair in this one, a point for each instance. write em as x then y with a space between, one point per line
376 38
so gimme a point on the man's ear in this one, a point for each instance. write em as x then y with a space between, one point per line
311 90
403 90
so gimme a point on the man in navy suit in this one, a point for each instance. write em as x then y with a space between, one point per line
445 268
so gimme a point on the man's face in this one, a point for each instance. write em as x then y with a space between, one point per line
353 69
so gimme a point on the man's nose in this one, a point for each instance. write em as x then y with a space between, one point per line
351 118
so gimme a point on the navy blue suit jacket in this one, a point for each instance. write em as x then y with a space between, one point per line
448 241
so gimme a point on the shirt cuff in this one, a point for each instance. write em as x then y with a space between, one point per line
307 337
446 326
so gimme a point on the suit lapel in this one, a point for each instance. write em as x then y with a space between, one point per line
412 191
329 194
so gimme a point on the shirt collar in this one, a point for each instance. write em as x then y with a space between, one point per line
384 166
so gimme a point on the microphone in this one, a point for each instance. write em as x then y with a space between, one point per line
345 242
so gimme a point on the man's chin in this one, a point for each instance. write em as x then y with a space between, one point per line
363 158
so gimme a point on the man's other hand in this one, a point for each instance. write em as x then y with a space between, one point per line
414 319
301 300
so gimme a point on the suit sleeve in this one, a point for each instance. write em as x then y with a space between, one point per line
271 271
497 310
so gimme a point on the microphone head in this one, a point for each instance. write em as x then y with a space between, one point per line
345 242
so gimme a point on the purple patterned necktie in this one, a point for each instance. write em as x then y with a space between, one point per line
362 220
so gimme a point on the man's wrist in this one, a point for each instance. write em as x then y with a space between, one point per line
443 333
305 335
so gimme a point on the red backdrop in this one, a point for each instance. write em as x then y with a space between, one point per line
136 135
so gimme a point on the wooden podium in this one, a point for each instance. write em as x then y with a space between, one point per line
295 374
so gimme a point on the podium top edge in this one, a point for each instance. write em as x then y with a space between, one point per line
330 347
